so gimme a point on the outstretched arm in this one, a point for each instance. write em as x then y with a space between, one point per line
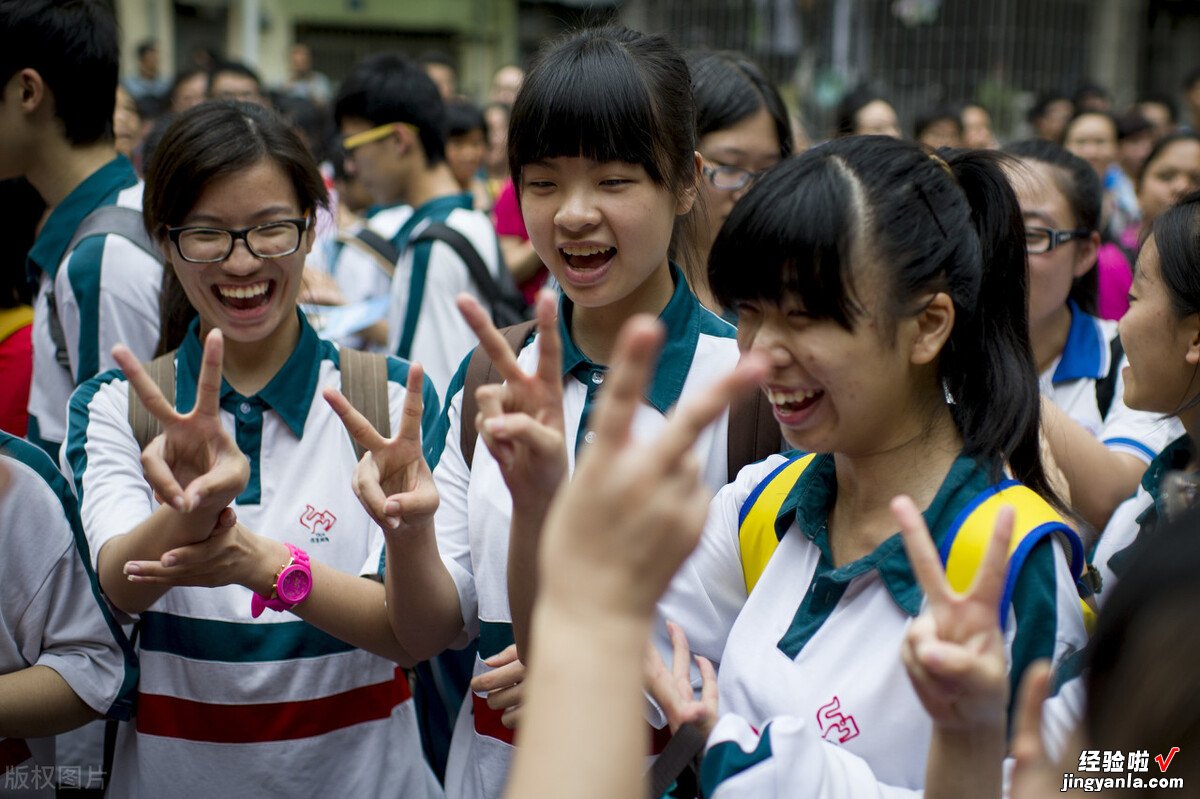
613 539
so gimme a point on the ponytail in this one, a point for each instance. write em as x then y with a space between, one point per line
987 366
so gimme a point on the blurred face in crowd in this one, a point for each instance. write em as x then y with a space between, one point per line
1093 137
1172 174
941 133
505 84
465 153
300 60
496 117
234 86
877 118
189 93
977 128
445 78
1054 119
1133 149
1159 116
127 123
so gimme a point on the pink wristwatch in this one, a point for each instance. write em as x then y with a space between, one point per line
292 584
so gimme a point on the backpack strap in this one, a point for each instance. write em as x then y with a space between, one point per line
963 548
105 220
365 385
1106 387
507 305
481 372
757 539
145 426
382 252
753 432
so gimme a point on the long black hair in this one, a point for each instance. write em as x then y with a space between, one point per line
932 225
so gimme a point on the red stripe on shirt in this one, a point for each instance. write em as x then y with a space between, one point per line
488 723
13 752
171 717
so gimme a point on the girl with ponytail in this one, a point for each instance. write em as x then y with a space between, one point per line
888 296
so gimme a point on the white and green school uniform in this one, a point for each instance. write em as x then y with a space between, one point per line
814 697
1137 516
229 704
476 508
1070 381
424 324
358 273
51 611
106 291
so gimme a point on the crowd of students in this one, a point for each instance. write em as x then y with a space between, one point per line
298 512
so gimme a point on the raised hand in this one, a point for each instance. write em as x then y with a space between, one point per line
616 534
1034 775
194 464
392 481
954 651
521 419
672 688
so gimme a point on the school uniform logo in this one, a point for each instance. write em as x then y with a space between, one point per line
319 523
836 727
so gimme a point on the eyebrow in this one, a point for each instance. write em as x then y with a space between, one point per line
274 211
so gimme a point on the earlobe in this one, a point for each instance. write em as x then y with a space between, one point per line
935 322
31 87
1193 351
687 198
1089 250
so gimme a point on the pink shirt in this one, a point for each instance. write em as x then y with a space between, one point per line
1115 276
507 215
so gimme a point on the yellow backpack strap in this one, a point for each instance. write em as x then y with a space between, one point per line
963 548
757 538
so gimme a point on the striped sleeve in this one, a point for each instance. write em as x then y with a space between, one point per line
788 753
107 294
65 623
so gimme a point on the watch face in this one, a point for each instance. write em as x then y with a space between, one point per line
293 585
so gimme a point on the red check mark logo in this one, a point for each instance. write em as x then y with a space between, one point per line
1165 762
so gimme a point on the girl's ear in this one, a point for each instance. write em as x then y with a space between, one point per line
934 324
1085 257
1192 325
687 197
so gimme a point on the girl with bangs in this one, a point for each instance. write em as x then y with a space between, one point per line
888 297
602 149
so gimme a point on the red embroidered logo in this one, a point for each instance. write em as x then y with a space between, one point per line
318 523
835 725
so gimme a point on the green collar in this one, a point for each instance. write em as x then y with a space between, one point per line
812 497
99 187
290 392
683 317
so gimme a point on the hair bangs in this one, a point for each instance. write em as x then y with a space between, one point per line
586 100
792 235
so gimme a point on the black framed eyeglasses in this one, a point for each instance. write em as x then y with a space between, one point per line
1044 239
210 245
729 178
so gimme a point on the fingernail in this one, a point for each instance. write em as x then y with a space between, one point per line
132 568
168 560
177 503
495 425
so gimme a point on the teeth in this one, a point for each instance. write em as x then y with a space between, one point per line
791 397
244 292
584 250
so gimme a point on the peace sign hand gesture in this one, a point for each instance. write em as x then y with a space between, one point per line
954 651
392 481
521 419
194 464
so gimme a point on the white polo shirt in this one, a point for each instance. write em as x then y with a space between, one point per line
476 508
812 689
1070 381
51 610
424 324
106 291
229 704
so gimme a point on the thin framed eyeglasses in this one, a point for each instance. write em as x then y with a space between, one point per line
729 178
1043 239
210 245
352 143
